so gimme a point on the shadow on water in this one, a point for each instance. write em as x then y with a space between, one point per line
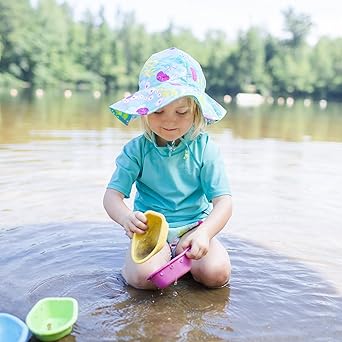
270 298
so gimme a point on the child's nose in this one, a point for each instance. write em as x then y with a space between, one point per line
169 116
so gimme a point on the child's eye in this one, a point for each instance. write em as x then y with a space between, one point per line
182 113
158 112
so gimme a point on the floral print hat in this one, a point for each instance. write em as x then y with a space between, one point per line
165 77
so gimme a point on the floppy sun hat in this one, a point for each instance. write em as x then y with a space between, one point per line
165 77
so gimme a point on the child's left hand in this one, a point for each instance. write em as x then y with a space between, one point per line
199 242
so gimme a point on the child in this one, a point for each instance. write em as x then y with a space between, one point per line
176 167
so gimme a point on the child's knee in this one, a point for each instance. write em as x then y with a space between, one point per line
219 279
213 277
138 278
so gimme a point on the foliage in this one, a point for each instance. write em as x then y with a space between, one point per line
45 46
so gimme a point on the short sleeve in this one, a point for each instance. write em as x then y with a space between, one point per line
213 175
128 167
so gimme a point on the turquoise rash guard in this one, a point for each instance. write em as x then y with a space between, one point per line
177 181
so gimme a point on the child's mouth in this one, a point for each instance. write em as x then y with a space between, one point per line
169 129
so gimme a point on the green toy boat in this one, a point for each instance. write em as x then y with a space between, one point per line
52 318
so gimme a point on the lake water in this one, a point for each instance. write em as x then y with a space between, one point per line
285 237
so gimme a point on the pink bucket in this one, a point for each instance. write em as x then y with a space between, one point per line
172 271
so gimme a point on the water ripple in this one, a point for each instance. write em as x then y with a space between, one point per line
270 298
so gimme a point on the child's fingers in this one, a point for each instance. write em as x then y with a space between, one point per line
196 252
129 233
137 222
138 230
130 229
135 229
192 254
185 244
140 216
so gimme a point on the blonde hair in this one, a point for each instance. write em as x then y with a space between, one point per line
199 123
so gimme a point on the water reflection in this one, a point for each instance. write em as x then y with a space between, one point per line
20 116
291 124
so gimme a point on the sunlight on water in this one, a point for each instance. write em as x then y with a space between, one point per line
284 239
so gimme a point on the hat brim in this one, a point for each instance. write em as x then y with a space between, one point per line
149 100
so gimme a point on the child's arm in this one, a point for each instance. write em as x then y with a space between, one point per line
132 222
213 224
219 216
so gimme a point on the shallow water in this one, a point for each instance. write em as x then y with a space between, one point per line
285 239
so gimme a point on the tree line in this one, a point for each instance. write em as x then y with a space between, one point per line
44 46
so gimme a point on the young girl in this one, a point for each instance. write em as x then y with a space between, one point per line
177 170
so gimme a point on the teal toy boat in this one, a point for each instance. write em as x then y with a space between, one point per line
13 329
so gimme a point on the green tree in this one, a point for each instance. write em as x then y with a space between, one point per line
44 46
249 62
16 35
213 61
50 51
327 66
133 47
292 73
297 25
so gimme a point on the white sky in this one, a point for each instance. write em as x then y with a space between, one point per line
228 16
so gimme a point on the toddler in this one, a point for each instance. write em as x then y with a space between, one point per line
177 169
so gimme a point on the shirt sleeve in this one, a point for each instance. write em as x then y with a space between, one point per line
213 175
128 167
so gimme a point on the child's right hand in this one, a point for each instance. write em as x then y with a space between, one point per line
135 222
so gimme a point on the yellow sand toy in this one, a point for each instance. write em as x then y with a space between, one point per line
144 246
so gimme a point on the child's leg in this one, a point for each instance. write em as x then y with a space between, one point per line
136 274
212 270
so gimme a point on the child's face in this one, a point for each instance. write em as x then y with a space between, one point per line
172 121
